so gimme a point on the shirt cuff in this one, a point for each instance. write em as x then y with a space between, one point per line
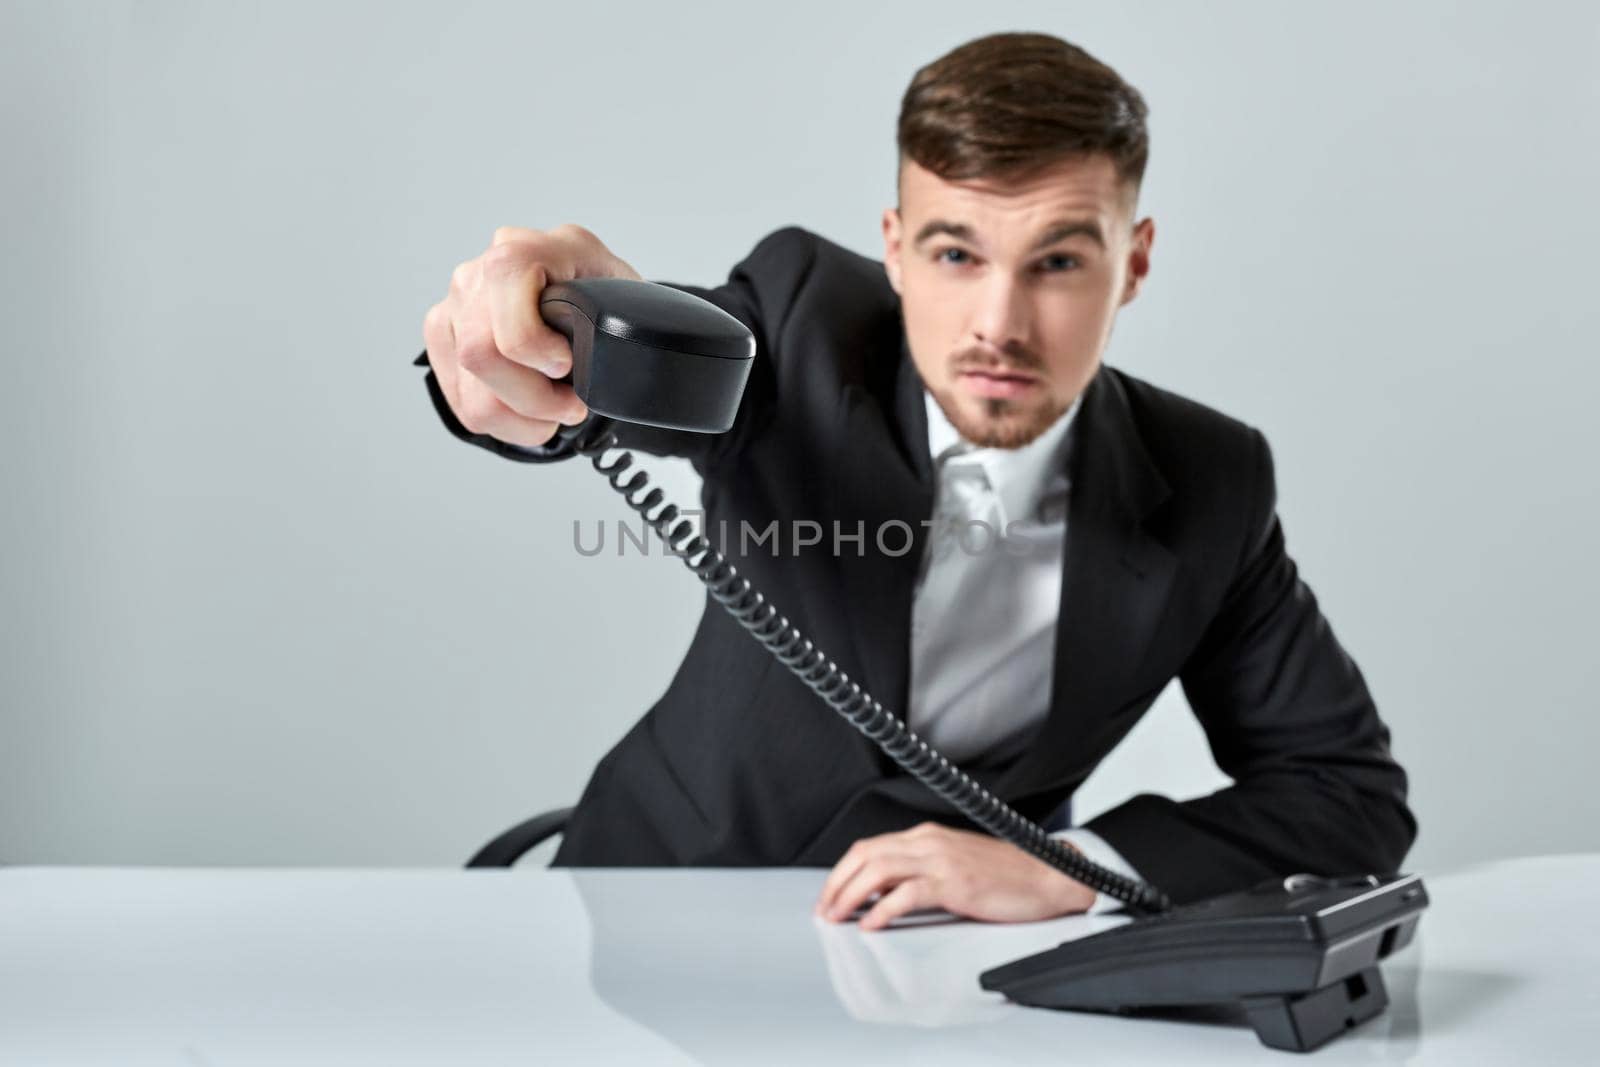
1095 849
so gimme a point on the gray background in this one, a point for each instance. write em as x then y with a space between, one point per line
260 609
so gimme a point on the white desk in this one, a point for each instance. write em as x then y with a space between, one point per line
235 967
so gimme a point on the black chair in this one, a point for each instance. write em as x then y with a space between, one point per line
515 843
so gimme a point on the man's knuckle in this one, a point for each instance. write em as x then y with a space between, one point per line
507 234
506 260
464 277
574 232
479 409
475 356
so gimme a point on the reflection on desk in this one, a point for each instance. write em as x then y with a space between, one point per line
194 967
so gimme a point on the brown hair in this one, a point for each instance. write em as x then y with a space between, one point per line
1009 105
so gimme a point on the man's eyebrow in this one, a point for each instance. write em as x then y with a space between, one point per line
959 230
1058 231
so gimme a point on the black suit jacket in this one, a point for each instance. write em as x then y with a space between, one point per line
1175 567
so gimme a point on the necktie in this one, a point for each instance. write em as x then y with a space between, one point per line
952 595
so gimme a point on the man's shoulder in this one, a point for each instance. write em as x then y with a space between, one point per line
1191 442
799 242
825 264
828 305
1160 408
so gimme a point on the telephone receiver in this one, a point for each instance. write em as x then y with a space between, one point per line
1298 956
650 354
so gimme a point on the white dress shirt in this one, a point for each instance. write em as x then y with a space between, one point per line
983 618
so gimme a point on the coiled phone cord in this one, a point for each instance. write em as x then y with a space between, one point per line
808 663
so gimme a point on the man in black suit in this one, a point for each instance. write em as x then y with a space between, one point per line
965 372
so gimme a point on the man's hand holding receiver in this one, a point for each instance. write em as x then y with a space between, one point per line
496 360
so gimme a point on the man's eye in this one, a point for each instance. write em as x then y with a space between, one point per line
953 255
1060 261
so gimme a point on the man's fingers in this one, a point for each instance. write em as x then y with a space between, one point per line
517 268
906 897
439 336
481 366
527 392
480 411
569 251
515 275
586 256
842 871
863 851
875 876
857 854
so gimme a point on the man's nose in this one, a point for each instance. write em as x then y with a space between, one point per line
1003 316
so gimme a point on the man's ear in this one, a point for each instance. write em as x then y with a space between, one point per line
1144 236
891 246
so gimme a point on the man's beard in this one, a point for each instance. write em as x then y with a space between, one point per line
1004 422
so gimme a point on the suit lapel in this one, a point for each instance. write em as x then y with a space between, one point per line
1115 584
1116 576
882 474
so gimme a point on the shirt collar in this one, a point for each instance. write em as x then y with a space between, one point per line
1020 476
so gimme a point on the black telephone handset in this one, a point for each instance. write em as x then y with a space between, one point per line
1298 956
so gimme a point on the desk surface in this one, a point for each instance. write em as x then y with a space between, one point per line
237 967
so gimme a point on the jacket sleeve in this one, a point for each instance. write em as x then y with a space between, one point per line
1288 717
759 292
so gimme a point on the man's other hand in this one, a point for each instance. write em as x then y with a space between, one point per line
934 866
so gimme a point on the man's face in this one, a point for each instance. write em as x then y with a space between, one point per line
1009 290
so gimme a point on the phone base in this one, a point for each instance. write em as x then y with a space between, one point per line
1299 957
1304 1021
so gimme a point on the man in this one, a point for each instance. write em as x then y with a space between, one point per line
961 379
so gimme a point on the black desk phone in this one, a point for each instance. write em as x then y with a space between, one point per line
1299 956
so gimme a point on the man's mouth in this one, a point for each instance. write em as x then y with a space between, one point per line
997 383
